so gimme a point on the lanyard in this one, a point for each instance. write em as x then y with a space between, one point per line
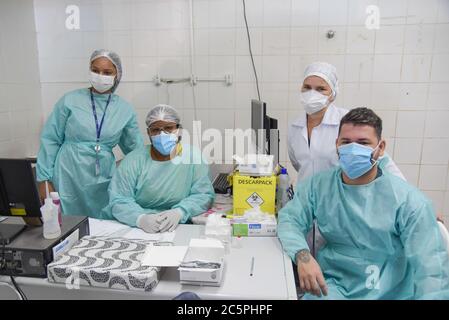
98 128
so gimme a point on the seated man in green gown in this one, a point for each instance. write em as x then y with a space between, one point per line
382 238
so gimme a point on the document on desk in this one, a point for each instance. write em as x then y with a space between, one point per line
112 228
164 256
136 233
106 228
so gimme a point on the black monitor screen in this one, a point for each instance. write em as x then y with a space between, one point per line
18 191
258 123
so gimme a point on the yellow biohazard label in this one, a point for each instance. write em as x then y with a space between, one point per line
18 211
251 192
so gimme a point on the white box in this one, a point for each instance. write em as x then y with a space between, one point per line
255 164
188 260
255 229
202 276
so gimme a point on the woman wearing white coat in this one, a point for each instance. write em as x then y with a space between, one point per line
312 136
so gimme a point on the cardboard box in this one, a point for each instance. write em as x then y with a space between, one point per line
202 276
266 228
200 263
251 192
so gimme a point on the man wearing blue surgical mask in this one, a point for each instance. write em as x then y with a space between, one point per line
382 238
358 152
161 185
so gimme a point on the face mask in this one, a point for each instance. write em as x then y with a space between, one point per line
100 82
165 142
356 159
313 101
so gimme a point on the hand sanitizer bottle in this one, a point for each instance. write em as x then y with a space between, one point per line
57 201
50 217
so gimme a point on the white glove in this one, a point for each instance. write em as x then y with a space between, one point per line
169 219
148 223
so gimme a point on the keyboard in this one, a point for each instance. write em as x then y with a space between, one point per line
221 183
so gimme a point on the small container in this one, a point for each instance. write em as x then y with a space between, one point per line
282 192
237 242
57 201
50 217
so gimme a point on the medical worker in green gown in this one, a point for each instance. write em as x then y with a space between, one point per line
75 155
382 238
156 187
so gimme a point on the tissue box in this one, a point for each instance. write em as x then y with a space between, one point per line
266 228
255 164
252 192
105 262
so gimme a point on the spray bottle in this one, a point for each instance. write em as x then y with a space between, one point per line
282 191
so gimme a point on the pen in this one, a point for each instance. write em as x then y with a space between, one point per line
252 267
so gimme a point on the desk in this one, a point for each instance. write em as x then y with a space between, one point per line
272 279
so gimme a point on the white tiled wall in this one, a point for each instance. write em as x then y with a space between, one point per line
20 95
400 70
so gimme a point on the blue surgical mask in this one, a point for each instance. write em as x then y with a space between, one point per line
356 159
164 142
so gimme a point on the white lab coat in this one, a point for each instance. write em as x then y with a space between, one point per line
322 153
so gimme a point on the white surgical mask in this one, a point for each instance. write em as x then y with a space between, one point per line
313 101
101 83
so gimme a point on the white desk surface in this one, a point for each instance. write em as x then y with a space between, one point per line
272 279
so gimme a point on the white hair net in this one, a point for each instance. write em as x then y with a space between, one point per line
114 58
325 71
162 112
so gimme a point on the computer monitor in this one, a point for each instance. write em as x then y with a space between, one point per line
19 196
266 130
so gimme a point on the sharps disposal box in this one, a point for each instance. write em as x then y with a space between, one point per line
251 192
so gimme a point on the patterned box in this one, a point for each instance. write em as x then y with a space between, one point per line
105 262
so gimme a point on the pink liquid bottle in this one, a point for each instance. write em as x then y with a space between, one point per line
57 201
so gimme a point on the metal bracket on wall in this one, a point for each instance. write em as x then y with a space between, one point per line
158 80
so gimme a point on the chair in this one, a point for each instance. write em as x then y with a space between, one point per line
445 235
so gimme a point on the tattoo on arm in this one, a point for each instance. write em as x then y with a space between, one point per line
303 256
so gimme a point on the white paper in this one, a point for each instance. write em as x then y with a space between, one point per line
164 256
206 243
136 233
106 228
112 228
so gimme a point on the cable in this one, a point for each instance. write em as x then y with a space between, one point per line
17 289
3 262
192 60
250 49
167 92
22 295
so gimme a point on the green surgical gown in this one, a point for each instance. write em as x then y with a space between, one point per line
67 156
142 185
383 240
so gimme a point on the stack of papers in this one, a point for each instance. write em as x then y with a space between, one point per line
115 229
